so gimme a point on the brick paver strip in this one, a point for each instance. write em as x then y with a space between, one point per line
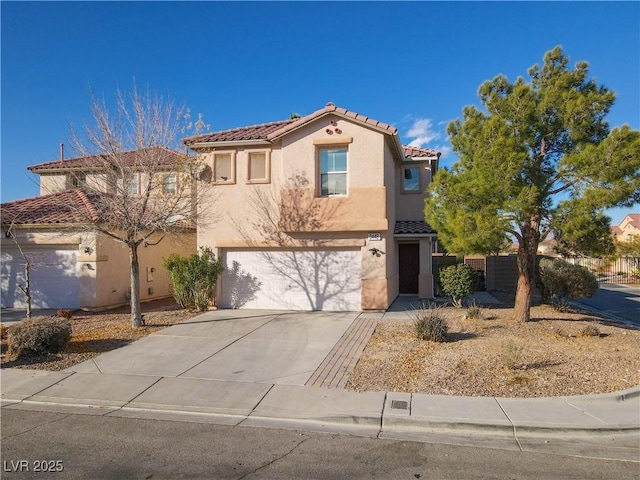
334 370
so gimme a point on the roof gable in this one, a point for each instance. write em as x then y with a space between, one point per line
273 131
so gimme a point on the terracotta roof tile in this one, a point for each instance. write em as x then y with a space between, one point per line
273 130
69 206
157 155
412 227
410 151
253 132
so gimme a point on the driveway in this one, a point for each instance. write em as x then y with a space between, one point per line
232 345
617 301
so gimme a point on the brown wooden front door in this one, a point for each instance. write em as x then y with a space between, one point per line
409 263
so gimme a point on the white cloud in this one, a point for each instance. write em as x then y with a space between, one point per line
422 133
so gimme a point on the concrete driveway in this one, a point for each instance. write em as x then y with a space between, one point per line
232 345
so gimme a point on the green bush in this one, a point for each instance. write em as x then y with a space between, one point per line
430 324
39 335
458 281
563 282
194 278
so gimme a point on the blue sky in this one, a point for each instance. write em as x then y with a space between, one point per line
411 64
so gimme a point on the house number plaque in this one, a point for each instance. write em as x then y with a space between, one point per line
374 237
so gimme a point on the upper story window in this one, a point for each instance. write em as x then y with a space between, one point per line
258 167
132 184
333 171
76 180
170 184
224 168
411 180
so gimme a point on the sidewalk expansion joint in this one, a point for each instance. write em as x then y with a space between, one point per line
513 425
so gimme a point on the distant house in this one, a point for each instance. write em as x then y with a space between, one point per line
628 228
74 267
322 212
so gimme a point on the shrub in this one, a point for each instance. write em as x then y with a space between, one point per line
458 281
430 324
194 278
39 335
512 354
563 282
64 314
474 312
589 331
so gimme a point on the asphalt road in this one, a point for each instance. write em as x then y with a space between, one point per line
621 301
98 447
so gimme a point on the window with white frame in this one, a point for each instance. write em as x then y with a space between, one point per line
333 171
132 184
170 184
224 168
411 179
258 167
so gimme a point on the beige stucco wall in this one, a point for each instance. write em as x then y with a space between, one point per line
103 263
111 264
410 206
249 215
293 188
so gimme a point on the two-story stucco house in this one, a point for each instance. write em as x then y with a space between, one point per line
75 267
628 229
322 212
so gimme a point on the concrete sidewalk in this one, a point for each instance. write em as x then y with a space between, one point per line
272 369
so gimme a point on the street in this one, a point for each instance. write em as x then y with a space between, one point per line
622 301
100 447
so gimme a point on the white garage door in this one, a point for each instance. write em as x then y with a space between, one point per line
53 277
292 280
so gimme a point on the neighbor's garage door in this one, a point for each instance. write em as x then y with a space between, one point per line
54 277
292 280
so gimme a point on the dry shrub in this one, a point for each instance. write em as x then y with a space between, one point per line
39 335
64 314
430 324
589 331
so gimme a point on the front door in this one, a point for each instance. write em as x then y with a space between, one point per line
409 263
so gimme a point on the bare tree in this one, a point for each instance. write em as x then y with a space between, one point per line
142 189
29 261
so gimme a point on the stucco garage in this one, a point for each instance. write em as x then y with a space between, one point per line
54 277
292 279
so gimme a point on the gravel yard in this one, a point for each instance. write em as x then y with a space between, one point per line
494 356
551 355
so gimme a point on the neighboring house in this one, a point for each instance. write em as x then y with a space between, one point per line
74 267
323 212
628 228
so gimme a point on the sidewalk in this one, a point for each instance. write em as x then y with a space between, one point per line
241 372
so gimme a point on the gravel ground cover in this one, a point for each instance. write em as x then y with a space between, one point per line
555 354
494 356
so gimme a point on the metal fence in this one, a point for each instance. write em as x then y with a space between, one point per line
624 270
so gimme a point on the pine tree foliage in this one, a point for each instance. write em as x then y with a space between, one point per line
540 151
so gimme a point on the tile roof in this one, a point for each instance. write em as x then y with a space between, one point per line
273 130
412 227
253 132
68 206
410 151
635 219
152 155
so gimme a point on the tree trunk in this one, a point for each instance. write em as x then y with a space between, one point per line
527 256
27 289
136 310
